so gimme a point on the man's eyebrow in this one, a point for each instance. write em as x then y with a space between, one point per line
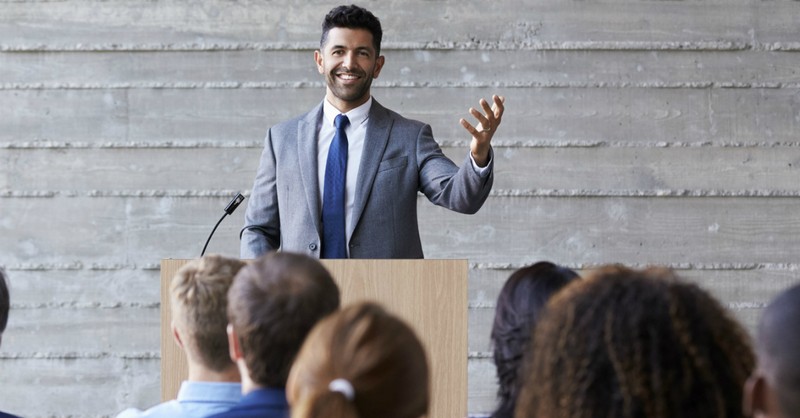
358 48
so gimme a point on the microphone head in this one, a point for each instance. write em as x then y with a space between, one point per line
234 203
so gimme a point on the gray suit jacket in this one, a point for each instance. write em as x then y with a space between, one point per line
400 158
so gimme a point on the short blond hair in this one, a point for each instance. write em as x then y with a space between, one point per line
198 294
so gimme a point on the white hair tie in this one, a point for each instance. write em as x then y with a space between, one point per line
344 387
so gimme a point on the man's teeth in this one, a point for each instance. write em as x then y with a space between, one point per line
348 76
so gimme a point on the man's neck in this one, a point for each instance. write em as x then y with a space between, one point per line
345 106
200 373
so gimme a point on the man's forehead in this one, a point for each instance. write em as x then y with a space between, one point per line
347 37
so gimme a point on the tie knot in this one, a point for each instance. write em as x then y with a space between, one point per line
341 121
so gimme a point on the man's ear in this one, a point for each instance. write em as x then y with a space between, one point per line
378 66
754 402
177 336
318 61
234 348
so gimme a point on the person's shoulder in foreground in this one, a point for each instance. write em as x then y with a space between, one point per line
195 400
262 402
773 389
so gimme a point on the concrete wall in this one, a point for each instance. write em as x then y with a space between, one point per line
636 132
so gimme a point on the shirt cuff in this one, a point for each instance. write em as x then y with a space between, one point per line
482 171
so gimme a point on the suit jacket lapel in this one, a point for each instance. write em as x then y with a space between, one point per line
378 127
307 154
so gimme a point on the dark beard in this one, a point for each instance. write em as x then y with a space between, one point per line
351 93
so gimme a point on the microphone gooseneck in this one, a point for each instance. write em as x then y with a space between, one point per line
232 205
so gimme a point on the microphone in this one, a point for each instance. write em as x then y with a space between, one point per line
232 205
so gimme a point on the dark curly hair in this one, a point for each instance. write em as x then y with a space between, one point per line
627 343
353 17
522 298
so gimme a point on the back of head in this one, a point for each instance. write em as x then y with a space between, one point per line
5 304
779 349
352 17
627 343
377 353
198 294
273 304
522 298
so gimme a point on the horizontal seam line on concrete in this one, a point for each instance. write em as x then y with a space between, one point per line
144 355
499 193
79 266
74 305
235 85
499 143
46 144
673 266
700 45
735 306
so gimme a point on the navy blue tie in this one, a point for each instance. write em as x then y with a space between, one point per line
334 243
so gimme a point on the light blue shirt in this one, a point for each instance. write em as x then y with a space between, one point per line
195 400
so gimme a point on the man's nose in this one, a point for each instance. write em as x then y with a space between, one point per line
349 59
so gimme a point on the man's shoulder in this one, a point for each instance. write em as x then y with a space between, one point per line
166 409
291 124
379 111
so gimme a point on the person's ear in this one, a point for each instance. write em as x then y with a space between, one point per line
318 60
234 348
754 402
177 336
378 66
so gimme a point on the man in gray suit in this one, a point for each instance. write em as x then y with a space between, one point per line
341 181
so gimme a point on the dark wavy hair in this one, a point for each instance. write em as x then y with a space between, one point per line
522 298
632 344
352 17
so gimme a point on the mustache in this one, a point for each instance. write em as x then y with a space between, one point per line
355 72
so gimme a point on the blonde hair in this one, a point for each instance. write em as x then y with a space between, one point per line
198 295
376 352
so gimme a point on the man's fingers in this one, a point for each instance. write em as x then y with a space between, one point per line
471 129
487 109
485 123
498 106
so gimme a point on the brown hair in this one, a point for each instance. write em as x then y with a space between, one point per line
628 343
198 295
376 352
273 304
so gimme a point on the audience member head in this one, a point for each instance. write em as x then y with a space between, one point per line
352 17
199 300
272 305
774 388
519 304
5 303
627 343
361 362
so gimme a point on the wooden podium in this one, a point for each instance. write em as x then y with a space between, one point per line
431 295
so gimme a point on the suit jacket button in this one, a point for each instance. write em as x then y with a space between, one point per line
312 247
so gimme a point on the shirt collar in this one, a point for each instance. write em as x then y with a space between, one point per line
203 391
356 116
